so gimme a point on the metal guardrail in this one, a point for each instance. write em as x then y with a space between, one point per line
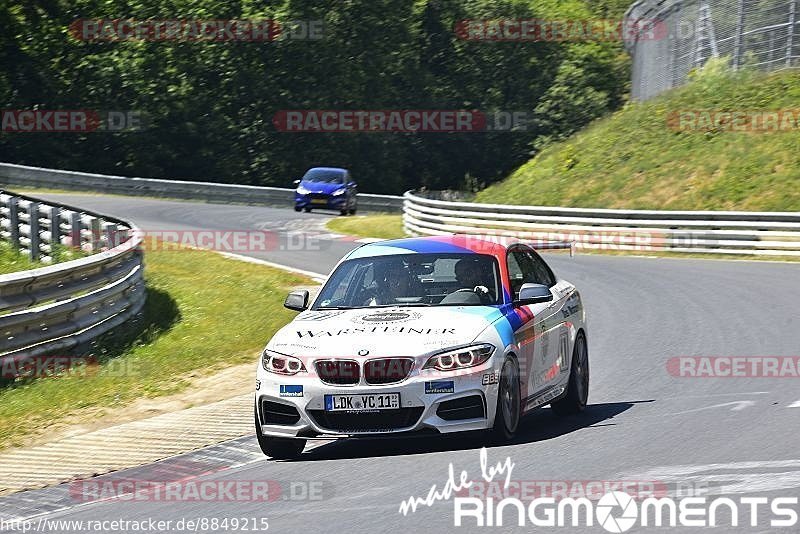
24 176
715 232
58 307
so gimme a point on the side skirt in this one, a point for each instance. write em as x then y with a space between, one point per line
543 398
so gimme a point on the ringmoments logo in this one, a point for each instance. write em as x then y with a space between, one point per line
616 511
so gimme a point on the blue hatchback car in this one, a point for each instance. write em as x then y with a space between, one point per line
327 188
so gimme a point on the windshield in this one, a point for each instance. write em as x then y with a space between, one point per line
413 280
324 176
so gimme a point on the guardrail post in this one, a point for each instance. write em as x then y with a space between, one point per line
33 215
790 38
55 228
75 230
112 235
96 237
13 216
738 44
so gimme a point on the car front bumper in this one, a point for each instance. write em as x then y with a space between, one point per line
296 412
319 200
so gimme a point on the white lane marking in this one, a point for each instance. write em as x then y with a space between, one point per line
730 477
717 395
795 404
368 240
317 277
737 407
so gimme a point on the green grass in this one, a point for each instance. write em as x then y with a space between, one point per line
204 313
381 226
633 160
12 261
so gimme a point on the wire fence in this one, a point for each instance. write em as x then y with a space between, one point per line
676 37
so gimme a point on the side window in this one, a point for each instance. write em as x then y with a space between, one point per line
541 272
526 267
519 270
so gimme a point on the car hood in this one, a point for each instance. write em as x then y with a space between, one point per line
382 332
321 187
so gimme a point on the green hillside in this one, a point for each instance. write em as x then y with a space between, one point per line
634 159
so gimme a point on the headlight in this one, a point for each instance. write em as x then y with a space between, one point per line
460 358
339 192
281 364
302 190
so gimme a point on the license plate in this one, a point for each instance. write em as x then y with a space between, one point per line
319 201
362 403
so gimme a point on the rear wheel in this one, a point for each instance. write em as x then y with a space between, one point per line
506 419
278 448
307 210
578 387
343 212
297 208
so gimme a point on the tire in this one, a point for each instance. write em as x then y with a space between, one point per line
578 386
307 210
509 404
343 212
278 448
297 208
353 210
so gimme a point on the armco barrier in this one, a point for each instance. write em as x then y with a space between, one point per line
716 232
58 307
24 176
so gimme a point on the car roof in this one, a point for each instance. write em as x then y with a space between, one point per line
334 169
448 244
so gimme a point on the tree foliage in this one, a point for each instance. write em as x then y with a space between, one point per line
209 105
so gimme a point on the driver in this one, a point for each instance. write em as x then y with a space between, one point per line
470 275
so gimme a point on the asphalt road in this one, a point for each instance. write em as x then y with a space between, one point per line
728 436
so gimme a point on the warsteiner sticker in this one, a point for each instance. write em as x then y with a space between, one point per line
406 330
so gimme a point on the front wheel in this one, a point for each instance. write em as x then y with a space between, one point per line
506 419
297 208
278 448
578 386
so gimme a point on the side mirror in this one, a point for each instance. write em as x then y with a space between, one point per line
533 294
296 183
296 300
